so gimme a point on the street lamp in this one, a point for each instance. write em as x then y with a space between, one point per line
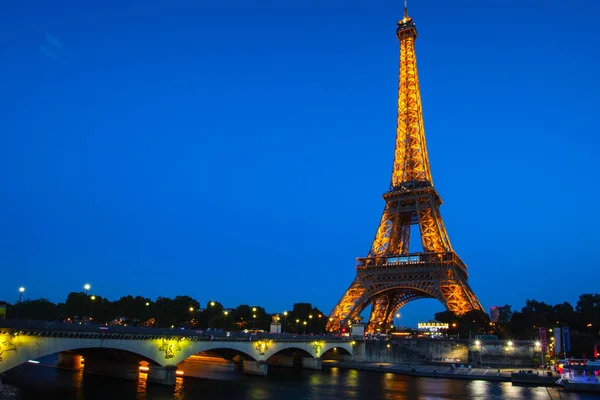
191 317
398 321
21 290
304 323
212 303
86 287
285 314
253 322
310 323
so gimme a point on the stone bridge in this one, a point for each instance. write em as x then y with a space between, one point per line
118 351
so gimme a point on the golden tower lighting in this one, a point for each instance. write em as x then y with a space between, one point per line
389 277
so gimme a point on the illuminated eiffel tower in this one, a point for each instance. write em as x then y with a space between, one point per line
389 277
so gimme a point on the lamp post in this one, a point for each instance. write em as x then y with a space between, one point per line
304 323
86 288
254 318
480 345
92 298
398 321
151 315
285 314
225 313
191 317
21 290
310 324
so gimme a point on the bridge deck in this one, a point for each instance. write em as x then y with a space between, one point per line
96 331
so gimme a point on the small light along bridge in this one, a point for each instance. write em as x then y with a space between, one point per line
123 351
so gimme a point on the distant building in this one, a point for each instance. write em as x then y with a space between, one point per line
494 313
432 329
2 310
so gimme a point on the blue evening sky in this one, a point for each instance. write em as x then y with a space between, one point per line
237 150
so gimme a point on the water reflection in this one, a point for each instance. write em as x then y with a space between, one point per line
479 388
394 388
141 387
258 393
352 378
33 382
178 393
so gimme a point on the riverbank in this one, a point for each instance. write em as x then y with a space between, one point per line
446 372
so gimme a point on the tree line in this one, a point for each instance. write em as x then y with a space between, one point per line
583 320
178 312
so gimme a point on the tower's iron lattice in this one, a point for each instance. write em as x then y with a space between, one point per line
390 276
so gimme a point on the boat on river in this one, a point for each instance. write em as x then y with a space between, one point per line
580 377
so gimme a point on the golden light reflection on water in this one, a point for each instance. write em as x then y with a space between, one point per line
140 394
334 375
396 387
258 393
77 382
316 379
178 393
479 388
352 378
511 392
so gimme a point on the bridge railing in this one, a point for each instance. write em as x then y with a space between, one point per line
62 327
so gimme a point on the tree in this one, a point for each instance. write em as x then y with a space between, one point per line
582 345
76 305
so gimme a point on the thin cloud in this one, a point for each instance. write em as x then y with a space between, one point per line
53 41
47 51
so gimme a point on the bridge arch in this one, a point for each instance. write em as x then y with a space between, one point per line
215 346
17 349
289 351
336 353
342 347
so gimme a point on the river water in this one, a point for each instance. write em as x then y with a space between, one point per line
44 381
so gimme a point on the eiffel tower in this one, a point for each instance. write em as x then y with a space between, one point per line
390 276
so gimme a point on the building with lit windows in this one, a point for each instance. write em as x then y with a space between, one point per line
432 329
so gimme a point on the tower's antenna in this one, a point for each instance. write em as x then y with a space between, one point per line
405 9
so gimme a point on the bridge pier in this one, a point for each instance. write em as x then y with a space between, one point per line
255 368
69 360
359 351
162 375
311 363
112 368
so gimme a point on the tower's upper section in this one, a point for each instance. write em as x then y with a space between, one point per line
406 26
411 163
